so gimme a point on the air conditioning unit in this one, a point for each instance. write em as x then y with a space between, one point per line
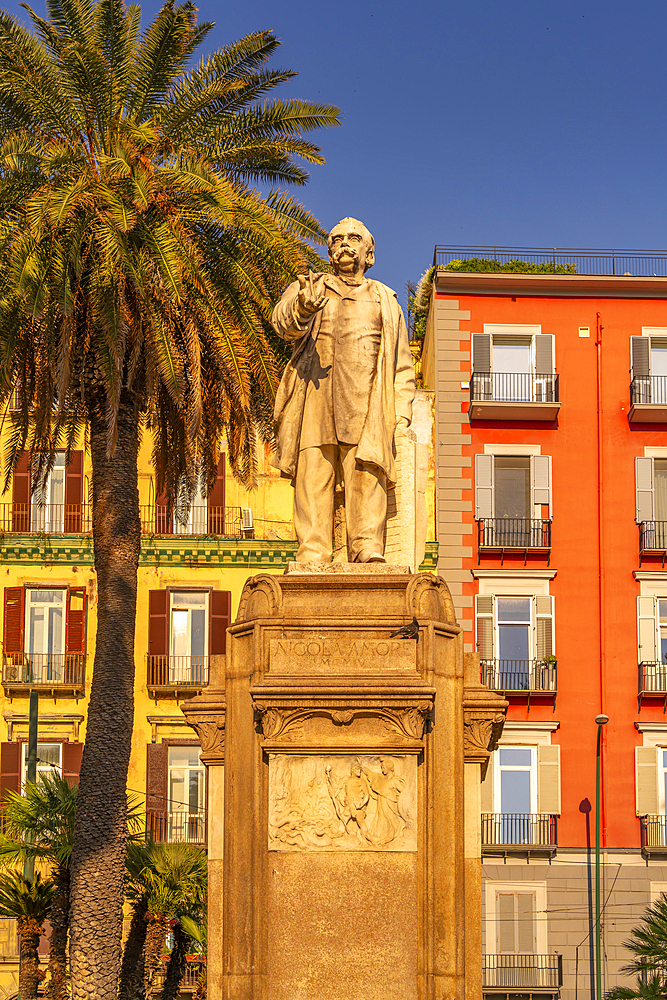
247 521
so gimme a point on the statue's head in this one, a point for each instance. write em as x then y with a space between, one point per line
356 769
387 765
351 247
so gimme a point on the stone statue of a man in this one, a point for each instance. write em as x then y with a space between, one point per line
348 387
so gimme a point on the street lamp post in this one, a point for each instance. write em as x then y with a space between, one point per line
600 721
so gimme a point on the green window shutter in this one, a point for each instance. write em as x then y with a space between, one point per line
644 489
640 348
541 480
543 617
647 630
484 614
646 780
544 354
548 780
483 487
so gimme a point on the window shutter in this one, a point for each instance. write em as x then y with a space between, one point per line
73 492
158 605
644 489
72 754
215 501
641 356
543 605
544 353
484 612
526 922
21 493
505 902
483 487
487 789
163 516
548 780
646 780
157 757
647 630
10 767
481 352
221 608
541 479
75 621
14 618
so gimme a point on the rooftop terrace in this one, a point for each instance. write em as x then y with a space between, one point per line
640 263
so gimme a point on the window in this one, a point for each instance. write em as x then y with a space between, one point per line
44 638
651 790
649 368
205 516
186 795
516 786
513 364
515 637
48 504
49 760
192 519
513 500
58 506
515 922
651 501
521 794
185 628
516 955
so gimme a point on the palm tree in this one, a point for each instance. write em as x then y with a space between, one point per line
28 902
40 825
165 882
137 273
197 931
648 943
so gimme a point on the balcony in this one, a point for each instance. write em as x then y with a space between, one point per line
648 399
514 534
522 972
513 396
77 519
653 681
184 826
173 675
517 833
653 540
654 836
521 677
194 964
55 673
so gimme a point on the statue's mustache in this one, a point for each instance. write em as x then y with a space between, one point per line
345 250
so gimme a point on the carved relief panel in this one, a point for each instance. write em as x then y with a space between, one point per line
342 802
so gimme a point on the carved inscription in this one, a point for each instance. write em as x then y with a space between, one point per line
316 654
342 802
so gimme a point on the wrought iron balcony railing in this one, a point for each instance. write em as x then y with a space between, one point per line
176 671
649 389
653 678
520 675
514 533
47 670
76 519
522 972
202 520
652 538
513 387
191 976
654 834
519 830
184 826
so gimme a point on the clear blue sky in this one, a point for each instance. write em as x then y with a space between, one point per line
519 122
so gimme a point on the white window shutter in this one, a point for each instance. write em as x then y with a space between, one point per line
481 352
644 489
647 630
548 780
483 487
487 789
646 780
484 616
506 922
543 626
640 348
541 479
544 353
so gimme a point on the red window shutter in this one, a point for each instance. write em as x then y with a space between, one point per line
21 493
14 618
221 610
158 602
163 518
74 493
10 767
75 636
72 754
216 501
157 805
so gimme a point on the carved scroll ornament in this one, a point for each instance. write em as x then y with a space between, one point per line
405 721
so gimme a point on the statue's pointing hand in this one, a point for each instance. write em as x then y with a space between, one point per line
312 296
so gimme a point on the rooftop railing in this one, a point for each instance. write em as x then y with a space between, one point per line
639 263
522 972
513 387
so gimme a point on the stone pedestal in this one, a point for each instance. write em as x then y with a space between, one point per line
351 826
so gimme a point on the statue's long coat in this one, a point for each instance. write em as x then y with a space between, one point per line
391 394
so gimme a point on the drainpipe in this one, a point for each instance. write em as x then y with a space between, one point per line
602 718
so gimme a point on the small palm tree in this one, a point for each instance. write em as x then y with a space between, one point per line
29 903
648 943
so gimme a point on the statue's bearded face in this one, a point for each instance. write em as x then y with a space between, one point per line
351 249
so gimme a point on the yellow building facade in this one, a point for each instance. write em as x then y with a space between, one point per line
191 575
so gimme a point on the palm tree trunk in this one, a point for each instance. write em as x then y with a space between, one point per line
100 831
131 985
56 987
156 937
30 974
175 966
